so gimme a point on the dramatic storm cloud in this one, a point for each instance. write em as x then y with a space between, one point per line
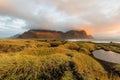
98 17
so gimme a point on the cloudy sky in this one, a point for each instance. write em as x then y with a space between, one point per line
101 18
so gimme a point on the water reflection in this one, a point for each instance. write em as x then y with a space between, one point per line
108 56
94 40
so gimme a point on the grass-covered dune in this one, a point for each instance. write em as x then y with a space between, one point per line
52 60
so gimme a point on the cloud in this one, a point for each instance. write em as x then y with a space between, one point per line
99 17
10 26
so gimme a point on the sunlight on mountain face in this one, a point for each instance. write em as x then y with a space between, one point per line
87 29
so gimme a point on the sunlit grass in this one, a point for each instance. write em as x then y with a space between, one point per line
51 60
89 68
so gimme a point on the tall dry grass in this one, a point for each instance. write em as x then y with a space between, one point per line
50 60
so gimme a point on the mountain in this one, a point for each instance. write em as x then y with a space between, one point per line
51 34
74 34
43 34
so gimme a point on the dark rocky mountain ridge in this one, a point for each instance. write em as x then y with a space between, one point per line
51 34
